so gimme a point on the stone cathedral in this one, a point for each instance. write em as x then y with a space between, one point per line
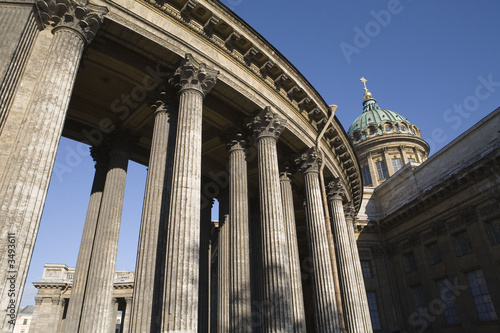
319 229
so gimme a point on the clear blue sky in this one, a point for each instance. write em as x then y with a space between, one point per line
434 62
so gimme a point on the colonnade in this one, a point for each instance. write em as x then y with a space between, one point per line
172 276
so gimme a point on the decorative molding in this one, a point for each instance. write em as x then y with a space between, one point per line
193 75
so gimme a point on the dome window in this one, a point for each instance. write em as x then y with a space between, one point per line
388 128
372 130
403 129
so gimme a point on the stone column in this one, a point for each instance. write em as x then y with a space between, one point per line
150 264
19 28
223 267
240 297
349 284
205 257
36 315
72 321
325 306
97 300
47 315
350 215
180 310
25 185
277 295
299 319
59 316
114 315
127 316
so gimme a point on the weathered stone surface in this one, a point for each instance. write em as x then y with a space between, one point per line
325 307
276 291
150 266
240 312
30 165
180 306
299 320
353 298
72 322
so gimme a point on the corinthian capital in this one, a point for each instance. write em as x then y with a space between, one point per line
309 161
267 124
336 189
81 17
194 75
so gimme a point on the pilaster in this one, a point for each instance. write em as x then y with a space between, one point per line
277 316
28 168
127 316
325 306
180 310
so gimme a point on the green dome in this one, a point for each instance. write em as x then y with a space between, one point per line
375 120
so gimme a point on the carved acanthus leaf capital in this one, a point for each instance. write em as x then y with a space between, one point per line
164 100
194 75
235 139
310 161
336 189
267 124
79 16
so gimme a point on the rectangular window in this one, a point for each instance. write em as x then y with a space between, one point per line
372 305
433 254
462 244
494 231
367 178
381 170
411 160
367 269
396 163
410 265
25 321
448 301
481 296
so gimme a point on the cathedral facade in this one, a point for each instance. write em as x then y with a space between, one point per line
319 230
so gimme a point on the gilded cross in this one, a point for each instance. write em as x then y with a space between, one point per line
364 83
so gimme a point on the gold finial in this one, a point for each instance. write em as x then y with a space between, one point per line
367 93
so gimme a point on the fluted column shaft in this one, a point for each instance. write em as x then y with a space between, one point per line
277 296
26 179
223 267
180 310
299 319
204 284
72 321
360 282
19 29
347 275
126 318
113 316
240 298
97 304
325 307
150 265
